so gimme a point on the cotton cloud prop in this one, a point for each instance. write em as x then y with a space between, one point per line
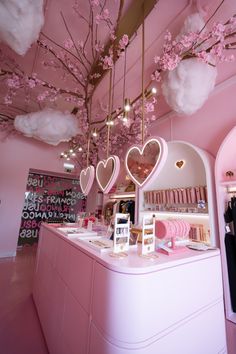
187 87
20 23
49 125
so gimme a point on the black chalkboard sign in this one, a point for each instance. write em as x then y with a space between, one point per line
51 199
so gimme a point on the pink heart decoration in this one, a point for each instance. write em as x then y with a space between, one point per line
142 162
107 172
86 179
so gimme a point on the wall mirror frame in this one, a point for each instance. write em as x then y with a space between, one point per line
143 162
107 172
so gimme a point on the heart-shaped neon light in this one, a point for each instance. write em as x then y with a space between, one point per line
107 172
142 162
86 179
180 163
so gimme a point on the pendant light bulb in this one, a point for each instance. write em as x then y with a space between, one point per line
94 133
80 149
154 90
71 150
127 105
125 117
73 154
109 121
62 154
151 92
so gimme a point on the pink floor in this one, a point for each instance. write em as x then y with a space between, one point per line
20 331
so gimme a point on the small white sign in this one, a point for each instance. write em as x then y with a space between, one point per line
121 233
90 225
148 235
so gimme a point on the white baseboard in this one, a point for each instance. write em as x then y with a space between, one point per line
7 254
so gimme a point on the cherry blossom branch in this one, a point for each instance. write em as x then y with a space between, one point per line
209 19
77 51
43 83
46 47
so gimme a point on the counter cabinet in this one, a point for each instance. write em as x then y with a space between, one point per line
91 303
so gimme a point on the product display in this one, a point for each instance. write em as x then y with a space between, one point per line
191 199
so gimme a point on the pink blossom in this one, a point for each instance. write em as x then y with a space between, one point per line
68 43
218 31
105 14
95 2
123 42
149 106
42 96
167 36
13 82
169 61
98 19
204 56
112 36
217 50
156 76
7 100
31 83
188 40
107 62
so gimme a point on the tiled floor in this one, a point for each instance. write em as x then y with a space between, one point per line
20 331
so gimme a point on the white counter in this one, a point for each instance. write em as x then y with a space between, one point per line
91 303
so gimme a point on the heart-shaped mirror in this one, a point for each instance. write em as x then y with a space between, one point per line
107 172
142 162
86 179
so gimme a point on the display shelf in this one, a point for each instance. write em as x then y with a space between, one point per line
174 213
122 195
231 183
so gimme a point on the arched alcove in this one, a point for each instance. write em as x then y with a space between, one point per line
196 170
225 187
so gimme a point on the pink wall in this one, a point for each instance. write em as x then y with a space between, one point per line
18 155
208 127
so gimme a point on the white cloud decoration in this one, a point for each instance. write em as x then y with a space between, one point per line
20 23
187 87
48 125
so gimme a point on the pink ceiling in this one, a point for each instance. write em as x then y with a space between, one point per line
167 14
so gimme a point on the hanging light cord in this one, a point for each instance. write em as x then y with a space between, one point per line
124 78
89 133
143 93
109 113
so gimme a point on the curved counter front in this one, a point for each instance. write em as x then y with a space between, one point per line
91 303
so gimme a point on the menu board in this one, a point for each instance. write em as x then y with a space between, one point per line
49 198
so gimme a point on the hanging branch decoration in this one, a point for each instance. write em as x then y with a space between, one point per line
190 61
79 63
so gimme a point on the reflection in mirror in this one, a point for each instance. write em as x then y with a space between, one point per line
86 179
141 164
105 172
